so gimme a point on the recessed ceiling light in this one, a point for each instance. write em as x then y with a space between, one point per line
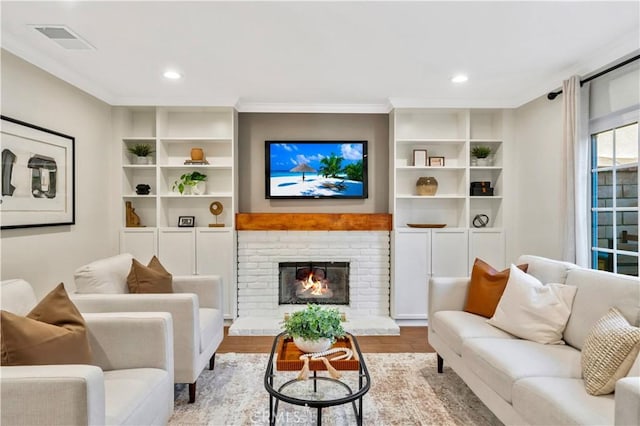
172 75
459 78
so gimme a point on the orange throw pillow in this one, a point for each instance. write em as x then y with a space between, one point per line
152 278
54 332
486 288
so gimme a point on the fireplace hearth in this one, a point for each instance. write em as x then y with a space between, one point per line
313 282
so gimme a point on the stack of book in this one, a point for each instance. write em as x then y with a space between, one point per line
196 162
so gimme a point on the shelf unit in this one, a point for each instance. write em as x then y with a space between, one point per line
448 251
173 132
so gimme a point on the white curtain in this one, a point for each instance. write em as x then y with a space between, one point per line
576 171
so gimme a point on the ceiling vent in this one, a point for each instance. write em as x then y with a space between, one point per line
63 36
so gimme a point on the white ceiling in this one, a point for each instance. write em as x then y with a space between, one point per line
313 56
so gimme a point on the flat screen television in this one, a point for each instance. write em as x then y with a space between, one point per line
316 169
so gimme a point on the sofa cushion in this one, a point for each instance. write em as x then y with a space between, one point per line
501 362
609 352
129 395
597 292
211 322
547 270
485 288
456 326
107 275
54 332
152 278
533 311
560 401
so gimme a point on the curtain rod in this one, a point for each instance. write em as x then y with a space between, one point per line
552 95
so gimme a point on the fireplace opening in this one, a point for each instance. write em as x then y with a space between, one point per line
314 282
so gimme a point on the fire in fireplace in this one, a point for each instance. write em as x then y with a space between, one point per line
314 282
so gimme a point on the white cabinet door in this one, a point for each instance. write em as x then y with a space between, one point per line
177 250
411 274
449 253
216 256
488 245
142 243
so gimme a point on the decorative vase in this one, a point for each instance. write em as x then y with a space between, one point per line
197 154
483 162
427 185
199 188
142 160
312 346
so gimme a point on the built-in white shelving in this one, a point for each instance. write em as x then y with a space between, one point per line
172 132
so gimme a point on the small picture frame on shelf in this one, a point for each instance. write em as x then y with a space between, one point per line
419 157
186 221
436 161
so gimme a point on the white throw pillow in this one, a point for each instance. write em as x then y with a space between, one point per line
107 276
531 310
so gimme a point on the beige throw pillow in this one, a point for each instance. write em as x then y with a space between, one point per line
531 310
609 350
152 278
54 332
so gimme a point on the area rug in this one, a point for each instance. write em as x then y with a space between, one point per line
405 390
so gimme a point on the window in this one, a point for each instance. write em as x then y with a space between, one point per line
614 199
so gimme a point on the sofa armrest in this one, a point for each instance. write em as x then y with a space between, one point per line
131 340
447 294
52 395
627 396
207 287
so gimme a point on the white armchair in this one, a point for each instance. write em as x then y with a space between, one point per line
196 308
128 384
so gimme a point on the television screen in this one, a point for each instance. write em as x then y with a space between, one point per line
316 169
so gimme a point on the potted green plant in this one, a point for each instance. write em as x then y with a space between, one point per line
142 151
193 181
481 153
314 329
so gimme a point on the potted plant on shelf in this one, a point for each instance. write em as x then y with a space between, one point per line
481 154
314 329
142 151
194 182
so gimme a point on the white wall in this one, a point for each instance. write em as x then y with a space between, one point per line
537 162
49 255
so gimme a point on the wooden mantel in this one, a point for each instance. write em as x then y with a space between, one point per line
313 222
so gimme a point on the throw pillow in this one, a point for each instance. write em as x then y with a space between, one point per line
609 350
54 332
486 288
152 278
107 275
531 310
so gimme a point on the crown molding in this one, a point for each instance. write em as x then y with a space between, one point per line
347 108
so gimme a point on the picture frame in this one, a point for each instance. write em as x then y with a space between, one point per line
186 221
38 176
436 161
419 157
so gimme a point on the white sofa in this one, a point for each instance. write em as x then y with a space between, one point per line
129 384
524 382
195 305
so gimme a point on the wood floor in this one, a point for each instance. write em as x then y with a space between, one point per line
411 339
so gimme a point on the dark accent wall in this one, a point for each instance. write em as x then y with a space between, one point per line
255 128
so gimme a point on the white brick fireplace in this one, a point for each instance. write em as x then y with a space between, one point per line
261 252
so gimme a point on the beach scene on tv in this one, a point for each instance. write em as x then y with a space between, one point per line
316 169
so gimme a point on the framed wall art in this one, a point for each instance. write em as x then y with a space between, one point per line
38 176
